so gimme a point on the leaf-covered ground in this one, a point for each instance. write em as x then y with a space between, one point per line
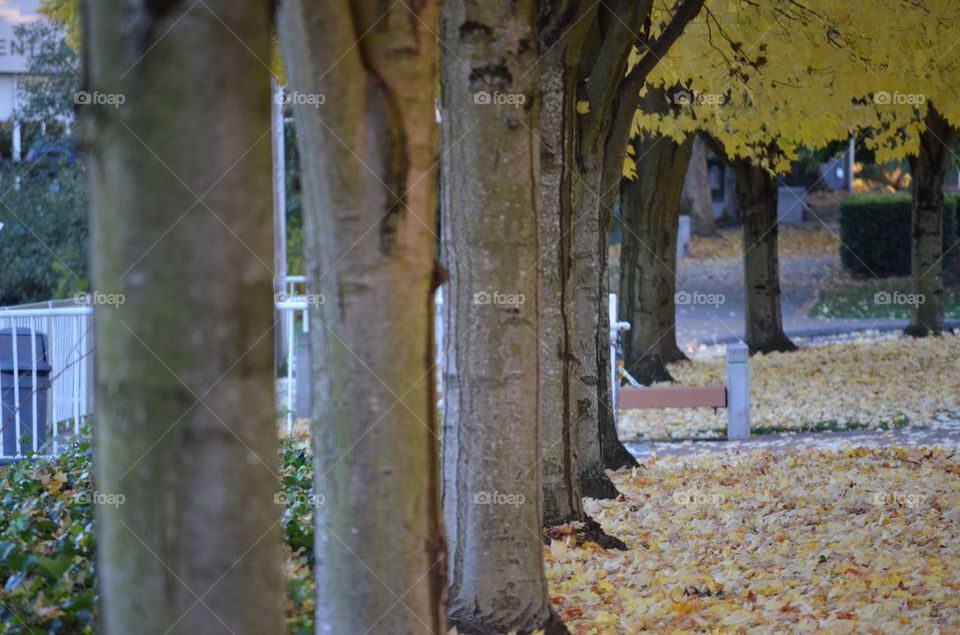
871 382
810 541
861 539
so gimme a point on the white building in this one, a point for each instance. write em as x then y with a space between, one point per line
13 59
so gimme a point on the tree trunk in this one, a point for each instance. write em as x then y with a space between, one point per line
731 200
368 146
587 272
696 191
928 169
670 352
763 325
490 167
185 427
650 206
559 433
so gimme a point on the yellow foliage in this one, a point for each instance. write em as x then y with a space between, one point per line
765 78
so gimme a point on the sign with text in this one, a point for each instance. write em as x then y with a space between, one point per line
13 51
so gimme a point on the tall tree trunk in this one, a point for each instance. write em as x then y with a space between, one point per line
588 335
928 169
185 427
559 432
731 200
650 206
763 324
490 167
670 352
696 191
368 154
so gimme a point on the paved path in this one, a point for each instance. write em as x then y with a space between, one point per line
705 319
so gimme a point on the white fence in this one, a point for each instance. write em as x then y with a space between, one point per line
46 363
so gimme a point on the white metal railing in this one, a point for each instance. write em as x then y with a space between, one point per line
47 390
287 310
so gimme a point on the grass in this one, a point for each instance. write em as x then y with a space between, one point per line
889 298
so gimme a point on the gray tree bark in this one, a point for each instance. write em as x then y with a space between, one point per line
928 169
368 156
757 191
601 143
696 191
180 207
731 201
490 166
559 433
650 207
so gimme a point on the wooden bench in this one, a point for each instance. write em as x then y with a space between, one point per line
735 396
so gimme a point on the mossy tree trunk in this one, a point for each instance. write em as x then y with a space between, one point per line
185 429
650 206
763 322
491 472
928 168
364 109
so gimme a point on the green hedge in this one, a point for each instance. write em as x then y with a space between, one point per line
875 233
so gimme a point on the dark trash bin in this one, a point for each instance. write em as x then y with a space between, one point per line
26 388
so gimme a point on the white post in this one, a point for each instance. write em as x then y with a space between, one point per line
612 299
738 392
33 377
15 141
16 387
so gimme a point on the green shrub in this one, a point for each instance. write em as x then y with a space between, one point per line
875 234
47 542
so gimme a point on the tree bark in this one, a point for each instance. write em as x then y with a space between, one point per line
696 191
650 207
559 433
601 143
180 208
731 200
928 168
364 111
588 334
763 324
490 167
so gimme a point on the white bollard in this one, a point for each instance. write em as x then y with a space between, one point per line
738 392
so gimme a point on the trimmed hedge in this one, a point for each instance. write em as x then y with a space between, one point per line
875 233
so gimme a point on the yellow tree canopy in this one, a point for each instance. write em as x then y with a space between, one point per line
767 77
